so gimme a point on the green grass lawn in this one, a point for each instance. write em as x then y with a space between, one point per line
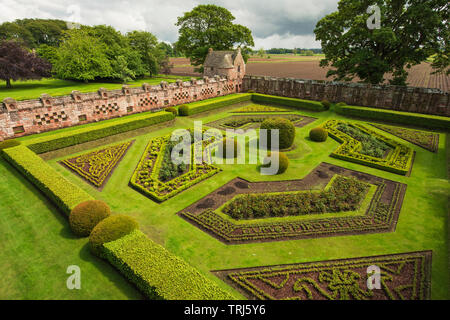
36 244
23 90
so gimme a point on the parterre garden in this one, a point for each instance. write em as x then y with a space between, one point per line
353 192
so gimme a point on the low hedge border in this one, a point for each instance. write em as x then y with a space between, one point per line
158 273
62 192
161 191
415 119
215 103
398 161
378 217
289 102
99 131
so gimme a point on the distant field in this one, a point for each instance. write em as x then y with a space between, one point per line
303 67
23 90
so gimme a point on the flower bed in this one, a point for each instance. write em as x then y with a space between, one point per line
146 177
398 161
424 139
404 276
378 212
241 121
344 194
257 108
95 167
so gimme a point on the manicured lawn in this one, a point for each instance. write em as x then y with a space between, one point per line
23 90
422 223
37 246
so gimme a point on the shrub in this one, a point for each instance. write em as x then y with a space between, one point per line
158 273
251 91
64 194
85 216
326 104
110 229
341 104
9 144
283 161
318 134
288 102
286 131
219 102
223 152
173 110
183 110
393 116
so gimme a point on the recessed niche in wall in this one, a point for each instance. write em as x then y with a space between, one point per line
18 130
82 118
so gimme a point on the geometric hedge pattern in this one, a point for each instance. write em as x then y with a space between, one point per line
402 277
97 166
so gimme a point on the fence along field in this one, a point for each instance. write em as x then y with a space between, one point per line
301 67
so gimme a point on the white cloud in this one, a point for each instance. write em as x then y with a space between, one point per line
281 23
287 41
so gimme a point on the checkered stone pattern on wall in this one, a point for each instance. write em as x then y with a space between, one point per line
207 91
228 87
48 118
181 96
109 108
148 101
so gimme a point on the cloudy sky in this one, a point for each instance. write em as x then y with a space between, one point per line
279 23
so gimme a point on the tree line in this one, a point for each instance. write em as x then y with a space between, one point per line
36 48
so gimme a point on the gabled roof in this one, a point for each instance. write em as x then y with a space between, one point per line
221 59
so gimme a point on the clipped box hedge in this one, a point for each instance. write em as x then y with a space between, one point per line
398 161
63 193
215 103
158 273
289 102
415 119
98 131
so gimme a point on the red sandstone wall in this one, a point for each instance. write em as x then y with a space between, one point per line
50 113
408 99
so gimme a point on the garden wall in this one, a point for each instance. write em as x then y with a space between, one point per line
408 99
18 118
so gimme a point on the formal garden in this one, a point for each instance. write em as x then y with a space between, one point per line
356 187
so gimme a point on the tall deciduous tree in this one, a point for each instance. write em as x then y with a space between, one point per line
16 63
82 57
210 26
146 45
411 31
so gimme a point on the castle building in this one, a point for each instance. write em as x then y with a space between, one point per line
229 64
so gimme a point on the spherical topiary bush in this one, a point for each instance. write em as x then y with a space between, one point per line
85 216
222 152
110 229
9 144
283 161
318 134
338 107
326 104
173 110
183 110
286 131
